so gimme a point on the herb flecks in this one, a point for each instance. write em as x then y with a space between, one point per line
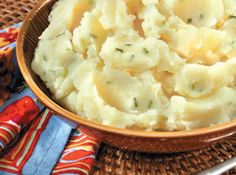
189 20
91 1
135 102
128 45
119 50
145 51
93 36
233 42
44 58
232 17
193 86
108 82
150 104
132 57
229 103
201 16
197 87
60 34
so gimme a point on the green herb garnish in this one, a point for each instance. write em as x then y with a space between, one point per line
44 58
132 57
201 16
108 82
135 102
91 1
196 87
93 36
150 104
232 16
60 34
189 20
229 103
233 42
146 51
119 50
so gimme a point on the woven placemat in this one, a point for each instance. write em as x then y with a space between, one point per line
114 161
14 11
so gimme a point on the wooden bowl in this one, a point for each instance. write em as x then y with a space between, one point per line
162 142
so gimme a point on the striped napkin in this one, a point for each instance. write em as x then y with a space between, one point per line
33 140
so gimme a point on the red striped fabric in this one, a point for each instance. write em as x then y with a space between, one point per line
78 156
15 160
9 36
80 151
14 117
8 131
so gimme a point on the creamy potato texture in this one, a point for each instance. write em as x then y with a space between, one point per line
142 64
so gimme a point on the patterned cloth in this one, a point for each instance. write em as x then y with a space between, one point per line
34 141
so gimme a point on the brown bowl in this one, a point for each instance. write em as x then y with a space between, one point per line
162 142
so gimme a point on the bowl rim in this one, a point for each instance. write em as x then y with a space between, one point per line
48 102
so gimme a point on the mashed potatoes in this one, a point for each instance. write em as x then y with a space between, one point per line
142 64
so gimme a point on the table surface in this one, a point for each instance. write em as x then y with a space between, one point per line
115 161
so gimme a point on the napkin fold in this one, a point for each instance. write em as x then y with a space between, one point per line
33 140
15 117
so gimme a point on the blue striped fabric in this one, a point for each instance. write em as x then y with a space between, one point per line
52 140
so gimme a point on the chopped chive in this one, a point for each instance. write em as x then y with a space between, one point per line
193 87
44 58
233 42
150 104
229 103
145 51
119 50
93 36
135 102
108 82
60 34
128 44
232 16
201 16
189 20
132 57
